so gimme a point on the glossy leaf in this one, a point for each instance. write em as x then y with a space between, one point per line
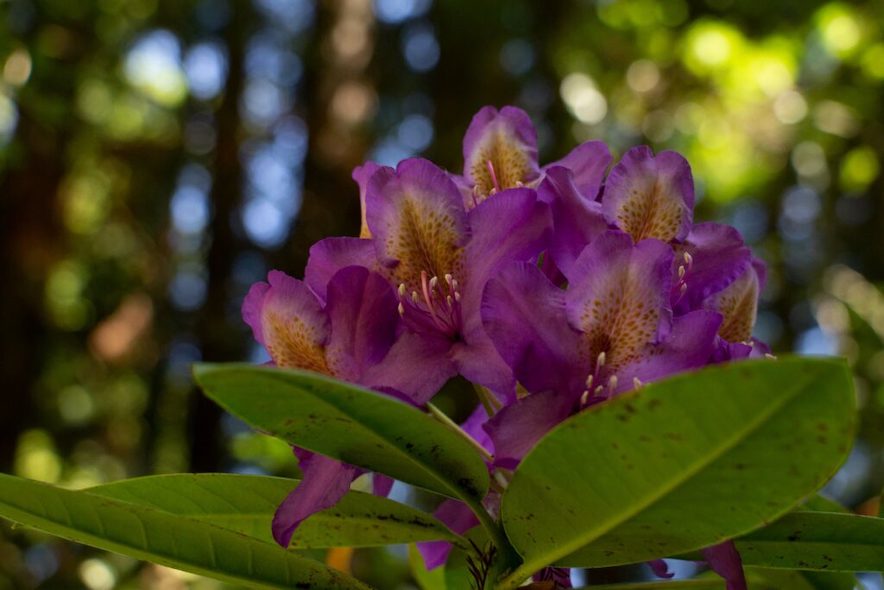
797 580
150 534
817 541
349 423
246 503
680 464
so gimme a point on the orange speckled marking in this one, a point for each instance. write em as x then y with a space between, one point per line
620 322
426 240
511 165
738 304
294 344
655 213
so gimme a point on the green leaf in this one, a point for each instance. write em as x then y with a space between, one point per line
817 541
795 580
680 464
712 583
153 535
426 579
351 424
246 503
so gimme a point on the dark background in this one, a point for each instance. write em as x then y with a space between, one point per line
158 156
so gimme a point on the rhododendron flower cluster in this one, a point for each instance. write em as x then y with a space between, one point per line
552 288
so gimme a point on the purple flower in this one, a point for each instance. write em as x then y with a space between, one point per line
351 335
610 331
438 256
500 152
725 560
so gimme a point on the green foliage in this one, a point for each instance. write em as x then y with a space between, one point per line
817 541
245 504
351 424
680 464
167 539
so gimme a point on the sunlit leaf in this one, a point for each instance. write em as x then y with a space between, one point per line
157 536
349 423
246 503
680 464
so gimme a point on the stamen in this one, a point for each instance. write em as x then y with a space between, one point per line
600 361
612 383
401 309
433 283
584 397
636 382
402 290
770 356
681 271
415 298
682 289
449 301
589 381
448 279
599 389
493 175
688 260
457 296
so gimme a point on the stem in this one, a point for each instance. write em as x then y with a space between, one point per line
516 577
488 400
444 419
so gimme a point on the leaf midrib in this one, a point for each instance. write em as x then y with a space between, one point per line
686 475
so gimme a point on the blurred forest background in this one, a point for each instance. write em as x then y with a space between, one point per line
158 156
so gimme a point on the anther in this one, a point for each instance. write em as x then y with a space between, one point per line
688 259
449 301
589 382
457 296
612 382
683 289
681 271
599 389
415 297
448 279
433 282
770 356
600 361
636 382
401 309
402 290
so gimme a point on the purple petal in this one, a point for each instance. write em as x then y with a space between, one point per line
362 174
381 484
577 219
619 296
417 365
660 568
418 221
689 345
500 150
588 163
457 517
330 255
516 428
325 481
524 315
477 359
362 311
718 258
738 303
724 559
475 427
650 197
289 321
512 227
